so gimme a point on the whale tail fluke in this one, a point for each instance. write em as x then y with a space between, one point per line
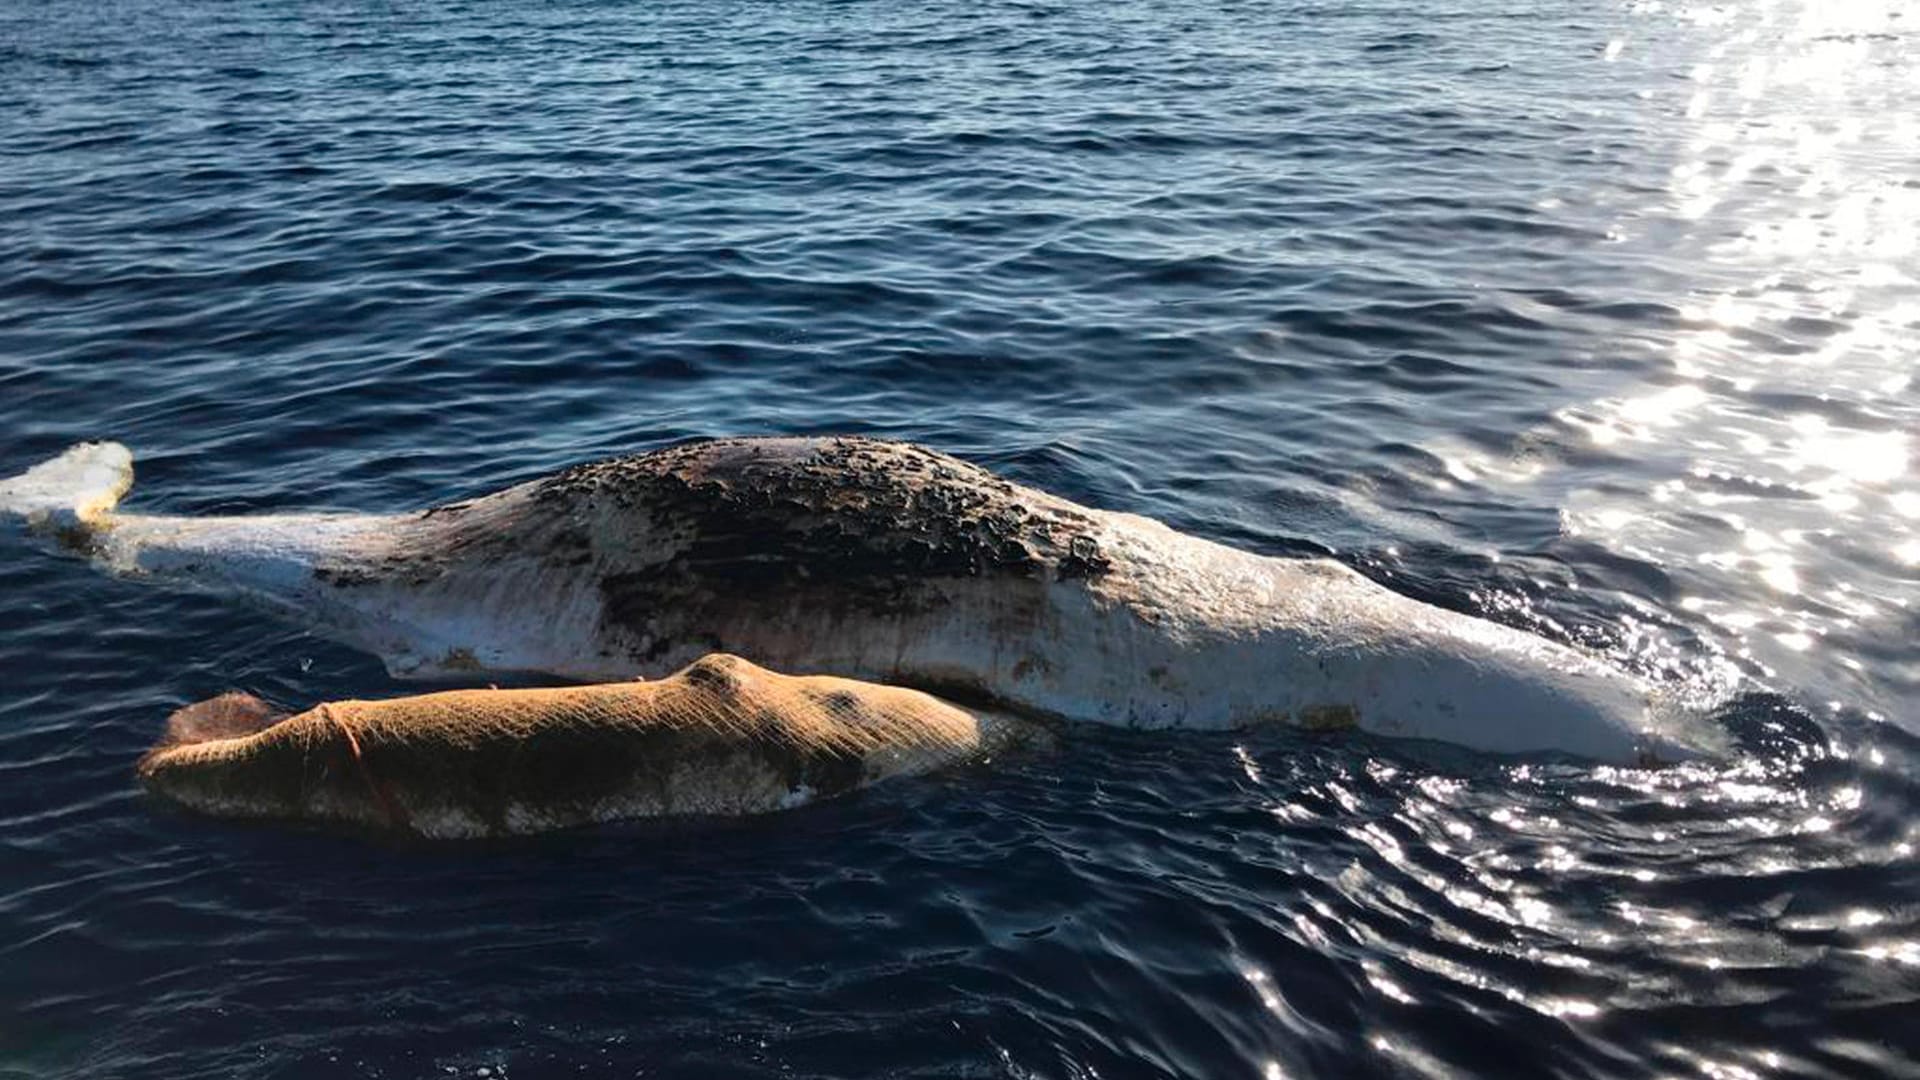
70 491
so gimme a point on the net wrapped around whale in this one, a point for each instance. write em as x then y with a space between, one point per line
721 737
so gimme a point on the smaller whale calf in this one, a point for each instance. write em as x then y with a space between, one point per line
721 737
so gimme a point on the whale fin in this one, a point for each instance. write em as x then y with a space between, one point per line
70 491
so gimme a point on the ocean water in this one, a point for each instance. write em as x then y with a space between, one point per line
1596 318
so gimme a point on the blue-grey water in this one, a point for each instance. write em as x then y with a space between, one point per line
1597 318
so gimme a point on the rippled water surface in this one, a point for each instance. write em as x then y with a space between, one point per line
1595 318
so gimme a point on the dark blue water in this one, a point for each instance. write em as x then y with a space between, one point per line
1596 318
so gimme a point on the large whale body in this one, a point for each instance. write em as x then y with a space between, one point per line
871 560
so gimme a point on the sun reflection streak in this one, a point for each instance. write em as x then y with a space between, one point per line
1790 512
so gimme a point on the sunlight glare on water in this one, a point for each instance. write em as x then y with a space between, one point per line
1784 424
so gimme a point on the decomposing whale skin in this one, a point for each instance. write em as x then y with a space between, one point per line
723 737
873 560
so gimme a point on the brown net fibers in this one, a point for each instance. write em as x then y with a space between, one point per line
722 736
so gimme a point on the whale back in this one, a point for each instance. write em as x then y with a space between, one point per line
768 547
847 514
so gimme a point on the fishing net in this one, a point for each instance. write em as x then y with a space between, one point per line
722 736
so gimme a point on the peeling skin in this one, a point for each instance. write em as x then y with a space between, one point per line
898 564
722 737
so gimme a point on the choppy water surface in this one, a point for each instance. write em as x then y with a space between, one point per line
1596 318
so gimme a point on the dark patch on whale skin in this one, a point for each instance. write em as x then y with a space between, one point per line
771 510
843 524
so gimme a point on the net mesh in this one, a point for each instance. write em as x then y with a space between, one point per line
721 736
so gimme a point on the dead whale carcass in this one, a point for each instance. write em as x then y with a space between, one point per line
880 561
